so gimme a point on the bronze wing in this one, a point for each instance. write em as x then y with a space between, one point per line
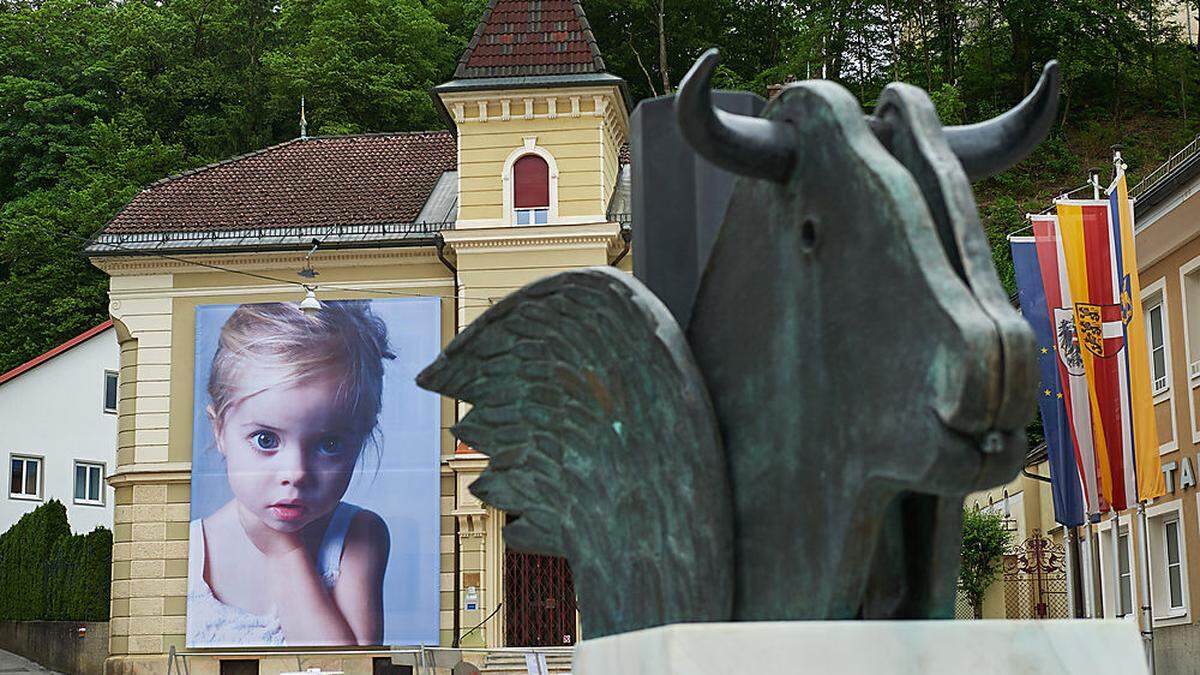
603 445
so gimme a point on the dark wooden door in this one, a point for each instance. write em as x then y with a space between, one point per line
539 601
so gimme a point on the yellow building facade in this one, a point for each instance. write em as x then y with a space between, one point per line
452 232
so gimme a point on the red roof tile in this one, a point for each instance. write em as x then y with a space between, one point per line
337 180
531 37
39 360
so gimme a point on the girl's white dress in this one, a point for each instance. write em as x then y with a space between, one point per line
212 623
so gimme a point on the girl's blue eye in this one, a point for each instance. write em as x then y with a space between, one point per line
330 446
266 440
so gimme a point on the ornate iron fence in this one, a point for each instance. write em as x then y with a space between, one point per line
1035 580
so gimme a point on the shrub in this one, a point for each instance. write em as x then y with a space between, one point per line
46 573
78 577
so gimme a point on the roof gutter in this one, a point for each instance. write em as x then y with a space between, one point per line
258 240
100 250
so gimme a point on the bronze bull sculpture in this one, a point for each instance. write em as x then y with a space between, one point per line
851 371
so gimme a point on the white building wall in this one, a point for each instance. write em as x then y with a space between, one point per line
56 411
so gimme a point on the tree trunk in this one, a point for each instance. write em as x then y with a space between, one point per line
662 50
977 609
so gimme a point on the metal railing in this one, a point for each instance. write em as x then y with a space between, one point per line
1174 162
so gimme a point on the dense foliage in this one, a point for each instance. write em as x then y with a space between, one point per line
101 97
984 543
46 573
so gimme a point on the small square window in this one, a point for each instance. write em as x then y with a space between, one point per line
25 479
89 483
532 216
110 391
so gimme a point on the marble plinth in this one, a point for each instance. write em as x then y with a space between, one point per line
899 647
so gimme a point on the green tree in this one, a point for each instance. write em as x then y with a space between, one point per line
984 542
99 98
362 65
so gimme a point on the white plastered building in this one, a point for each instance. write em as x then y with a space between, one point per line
58 431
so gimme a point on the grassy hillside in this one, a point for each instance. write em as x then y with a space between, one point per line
1061 164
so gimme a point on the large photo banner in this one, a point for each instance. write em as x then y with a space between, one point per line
315 476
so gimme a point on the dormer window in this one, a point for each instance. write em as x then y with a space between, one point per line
531 191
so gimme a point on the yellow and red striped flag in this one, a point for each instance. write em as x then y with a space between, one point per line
1097 239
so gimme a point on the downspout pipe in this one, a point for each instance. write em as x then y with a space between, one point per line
627 237
439 243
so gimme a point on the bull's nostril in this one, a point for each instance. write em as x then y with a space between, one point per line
808 236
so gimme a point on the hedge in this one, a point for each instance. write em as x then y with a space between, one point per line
46 573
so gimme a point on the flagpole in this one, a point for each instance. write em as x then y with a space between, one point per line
1070 540
1147 598
1094 577
1116 563
1143 550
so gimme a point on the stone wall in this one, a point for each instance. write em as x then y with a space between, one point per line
57 644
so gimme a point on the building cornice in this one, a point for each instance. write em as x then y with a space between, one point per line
151 472
502 105
543 238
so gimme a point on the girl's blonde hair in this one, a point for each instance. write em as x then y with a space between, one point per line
276 344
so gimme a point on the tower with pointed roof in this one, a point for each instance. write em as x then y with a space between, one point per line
532 82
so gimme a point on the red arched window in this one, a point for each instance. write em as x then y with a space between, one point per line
531 191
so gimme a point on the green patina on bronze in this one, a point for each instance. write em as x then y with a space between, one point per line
851 371
602 442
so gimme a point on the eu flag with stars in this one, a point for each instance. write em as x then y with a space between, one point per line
1064 473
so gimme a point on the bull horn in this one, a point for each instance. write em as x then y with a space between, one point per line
749 146
990 147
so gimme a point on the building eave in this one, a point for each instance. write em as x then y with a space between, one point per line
276 239
1163 189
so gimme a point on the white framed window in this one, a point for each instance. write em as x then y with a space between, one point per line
1174 563
1167 556
530 186
1189 277
110 391
1119 598
1125 575
89 483
1156 333
25 477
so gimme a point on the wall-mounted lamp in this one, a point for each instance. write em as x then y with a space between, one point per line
308 272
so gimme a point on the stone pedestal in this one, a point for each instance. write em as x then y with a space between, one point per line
894 647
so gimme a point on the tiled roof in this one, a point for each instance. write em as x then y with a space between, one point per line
39 360
529 38
336 180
